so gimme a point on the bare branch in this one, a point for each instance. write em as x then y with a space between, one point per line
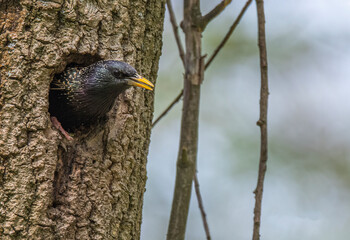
262 123
229 33
213 13
187 155
176 31
168 108
223 42
201 207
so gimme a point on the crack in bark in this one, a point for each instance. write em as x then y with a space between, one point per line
65 159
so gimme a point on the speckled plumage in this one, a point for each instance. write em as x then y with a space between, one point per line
80 96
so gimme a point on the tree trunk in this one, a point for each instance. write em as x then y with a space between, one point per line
91 188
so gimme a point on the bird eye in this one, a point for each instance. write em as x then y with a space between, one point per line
119 75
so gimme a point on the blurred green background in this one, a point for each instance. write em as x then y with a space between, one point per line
307 186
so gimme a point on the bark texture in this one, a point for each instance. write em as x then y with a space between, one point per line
91 188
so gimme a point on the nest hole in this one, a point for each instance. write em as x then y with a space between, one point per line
57 106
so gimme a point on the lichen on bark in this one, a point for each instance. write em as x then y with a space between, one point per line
93 187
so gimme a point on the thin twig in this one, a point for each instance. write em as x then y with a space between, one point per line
168 108
228 34
176 31
201 206
262 122
232 28
213 13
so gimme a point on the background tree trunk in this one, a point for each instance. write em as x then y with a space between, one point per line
93 187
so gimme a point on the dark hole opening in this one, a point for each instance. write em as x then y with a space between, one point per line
59 94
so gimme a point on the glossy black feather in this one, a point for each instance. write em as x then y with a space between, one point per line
80 96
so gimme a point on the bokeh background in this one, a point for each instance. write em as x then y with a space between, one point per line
307 186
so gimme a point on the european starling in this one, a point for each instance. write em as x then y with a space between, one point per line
80 96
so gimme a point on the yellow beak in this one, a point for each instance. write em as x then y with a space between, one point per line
140 81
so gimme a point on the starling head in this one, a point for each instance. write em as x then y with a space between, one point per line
117 75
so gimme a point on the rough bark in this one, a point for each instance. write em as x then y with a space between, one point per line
91 188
